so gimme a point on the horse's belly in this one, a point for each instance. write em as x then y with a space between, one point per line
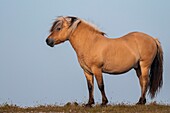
119 67
116 71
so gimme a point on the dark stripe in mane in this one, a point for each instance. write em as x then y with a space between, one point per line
53 26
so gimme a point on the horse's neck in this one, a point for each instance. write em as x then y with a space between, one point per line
82 40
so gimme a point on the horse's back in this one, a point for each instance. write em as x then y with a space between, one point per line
146 44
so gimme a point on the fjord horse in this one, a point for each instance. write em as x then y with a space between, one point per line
98 54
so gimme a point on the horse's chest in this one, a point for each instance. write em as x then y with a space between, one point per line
85 65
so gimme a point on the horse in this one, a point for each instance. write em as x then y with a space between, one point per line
99 54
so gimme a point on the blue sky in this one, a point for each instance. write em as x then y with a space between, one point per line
31 73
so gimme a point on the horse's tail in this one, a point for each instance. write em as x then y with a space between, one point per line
156 71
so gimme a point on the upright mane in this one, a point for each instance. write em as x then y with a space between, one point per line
90 25
94 27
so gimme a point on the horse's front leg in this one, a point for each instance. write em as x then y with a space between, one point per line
90 84
99 78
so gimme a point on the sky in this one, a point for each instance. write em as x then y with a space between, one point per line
32 73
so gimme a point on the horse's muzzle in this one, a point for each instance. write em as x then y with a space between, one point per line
50 42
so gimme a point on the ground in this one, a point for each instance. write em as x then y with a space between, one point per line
79 108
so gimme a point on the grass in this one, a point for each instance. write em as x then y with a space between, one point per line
76 108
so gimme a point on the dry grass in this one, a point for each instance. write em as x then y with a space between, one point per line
75 108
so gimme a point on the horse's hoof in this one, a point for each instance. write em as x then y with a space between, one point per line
139 103
103 105
88 105
142 101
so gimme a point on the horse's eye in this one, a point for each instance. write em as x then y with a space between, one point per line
58 29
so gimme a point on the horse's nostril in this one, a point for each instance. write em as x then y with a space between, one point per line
50 42
46 40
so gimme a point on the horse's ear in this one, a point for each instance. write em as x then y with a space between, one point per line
75 24
72 21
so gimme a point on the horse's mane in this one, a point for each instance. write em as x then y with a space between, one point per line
53 26
94 27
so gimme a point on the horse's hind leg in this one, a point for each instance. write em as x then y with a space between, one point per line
90 84
143 75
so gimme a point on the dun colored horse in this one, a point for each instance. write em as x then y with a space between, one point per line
98 54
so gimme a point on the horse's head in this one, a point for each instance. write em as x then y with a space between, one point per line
61 30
